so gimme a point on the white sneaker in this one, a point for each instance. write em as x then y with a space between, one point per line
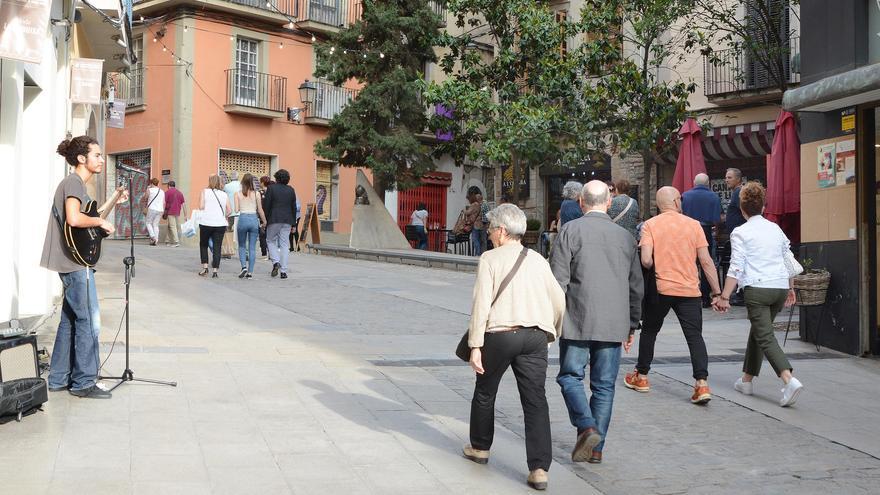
742 387
790 392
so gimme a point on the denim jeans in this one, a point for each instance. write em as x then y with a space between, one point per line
248 231
75 354
277 236
423 237
604 361
477 241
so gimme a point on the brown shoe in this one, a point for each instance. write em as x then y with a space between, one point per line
538 479
586 440
702 395
637 382
595 457
476 455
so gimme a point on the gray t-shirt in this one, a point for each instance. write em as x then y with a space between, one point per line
55 254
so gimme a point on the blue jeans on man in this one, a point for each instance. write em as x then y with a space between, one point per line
604 361
74 362
478 241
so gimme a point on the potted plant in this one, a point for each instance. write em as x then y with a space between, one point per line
811 285
533 232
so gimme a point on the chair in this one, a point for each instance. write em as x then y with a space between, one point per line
460 244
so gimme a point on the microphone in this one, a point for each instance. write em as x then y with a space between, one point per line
130 170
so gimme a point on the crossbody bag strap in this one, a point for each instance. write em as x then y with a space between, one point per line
154 197
621 214
509 277
214 192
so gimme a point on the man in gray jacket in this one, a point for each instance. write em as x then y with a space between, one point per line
597 264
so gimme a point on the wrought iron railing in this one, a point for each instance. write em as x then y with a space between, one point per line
256 89
128 86
330 100
736 70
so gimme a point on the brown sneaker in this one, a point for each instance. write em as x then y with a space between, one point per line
586 440
702 395
538 479
476 455
637 382
595 457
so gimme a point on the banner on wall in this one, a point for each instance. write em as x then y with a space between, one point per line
23 27
116 114
85 80
845 162
826 161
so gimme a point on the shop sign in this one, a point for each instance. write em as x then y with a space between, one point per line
85 80
719 187
23 28
848 120
507 181
116 114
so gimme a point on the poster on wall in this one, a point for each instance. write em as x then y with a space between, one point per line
845 162
23 32
85 80
116 114
826 163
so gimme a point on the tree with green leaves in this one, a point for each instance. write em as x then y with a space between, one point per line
386 50
523 106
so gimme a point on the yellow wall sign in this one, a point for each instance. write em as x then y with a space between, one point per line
847 122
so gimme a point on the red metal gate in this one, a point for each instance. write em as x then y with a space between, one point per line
432 192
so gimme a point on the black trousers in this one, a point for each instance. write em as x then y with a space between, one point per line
524 350
215 233
690 316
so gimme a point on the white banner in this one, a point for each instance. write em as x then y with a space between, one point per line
85 80
23 28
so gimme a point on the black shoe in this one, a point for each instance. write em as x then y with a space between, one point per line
283 275
275 268
92 392
243 273
249 276
214 275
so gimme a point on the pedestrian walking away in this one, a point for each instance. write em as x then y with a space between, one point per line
624 210
756 264
212 224
74 364
570 208
231 189
733 217
279 206
154 208
417 219
174 204
597 265
250 219
265 181
704 206
671 244
517 309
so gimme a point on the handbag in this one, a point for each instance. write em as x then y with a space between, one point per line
791 263
146 209
463 350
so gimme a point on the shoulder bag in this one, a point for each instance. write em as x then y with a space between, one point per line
791 263
622 213
147 208
463 351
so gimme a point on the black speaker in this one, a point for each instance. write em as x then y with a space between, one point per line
18 358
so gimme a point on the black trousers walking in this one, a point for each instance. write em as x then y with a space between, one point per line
215 233
525 350
690 316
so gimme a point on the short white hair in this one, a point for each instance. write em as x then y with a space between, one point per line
510 217
571 190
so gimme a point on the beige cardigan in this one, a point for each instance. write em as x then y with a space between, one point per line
533 298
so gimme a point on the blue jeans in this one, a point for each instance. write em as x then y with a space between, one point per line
248 232
423 237
604 361
477 241
75 354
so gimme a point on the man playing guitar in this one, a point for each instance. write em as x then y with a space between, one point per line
74 365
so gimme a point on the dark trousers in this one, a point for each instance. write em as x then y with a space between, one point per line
264 246
690 316
524 350
705 290
216 235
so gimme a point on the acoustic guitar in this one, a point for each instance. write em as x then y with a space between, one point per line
84 243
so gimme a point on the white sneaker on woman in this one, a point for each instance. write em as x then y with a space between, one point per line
790 392
742 387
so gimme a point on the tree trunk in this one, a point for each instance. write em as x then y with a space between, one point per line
647 190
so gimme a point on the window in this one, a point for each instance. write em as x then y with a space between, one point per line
326 184
244 163
246 71
136 76
561 18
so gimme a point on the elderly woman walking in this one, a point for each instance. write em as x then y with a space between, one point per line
517 309
570 208
756 263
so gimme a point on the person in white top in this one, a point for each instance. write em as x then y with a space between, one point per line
756 263
231 188
215 207
418 220
154 204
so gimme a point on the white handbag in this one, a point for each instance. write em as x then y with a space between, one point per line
791 263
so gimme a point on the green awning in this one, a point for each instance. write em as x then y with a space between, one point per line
843 90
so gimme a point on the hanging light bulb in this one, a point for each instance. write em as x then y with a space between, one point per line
268 5
164 49
184 28
332 49
365 55
290 25
154 39
345 52
313 38
381 55
280 45
231 38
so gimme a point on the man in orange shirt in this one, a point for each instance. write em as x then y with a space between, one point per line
672 244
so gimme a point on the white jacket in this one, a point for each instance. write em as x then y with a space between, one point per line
757 250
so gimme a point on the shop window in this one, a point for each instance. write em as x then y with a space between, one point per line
327 190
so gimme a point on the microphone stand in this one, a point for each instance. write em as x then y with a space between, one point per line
128 261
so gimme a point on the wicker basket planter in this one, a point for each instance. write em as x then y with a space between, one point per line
812 287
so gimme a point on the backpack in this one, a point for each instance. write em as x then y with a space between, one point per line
21 397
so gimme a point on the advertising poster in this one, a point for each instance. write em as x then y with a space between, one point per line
116 117
845 162
23 27
826 163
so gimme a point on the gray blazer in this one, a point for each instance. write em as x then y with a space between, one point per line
597 264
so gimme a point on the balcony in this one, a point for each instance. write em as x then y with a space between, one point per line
329 100
731 76
439 8
128 87
255 94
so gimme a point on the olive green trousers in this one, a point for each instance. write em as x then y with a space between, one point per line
762 306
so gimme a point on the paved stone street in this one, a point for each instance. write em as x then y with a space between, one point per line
342 380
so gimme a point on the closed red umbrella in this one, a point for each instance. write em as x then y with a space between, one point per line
784 177
690 157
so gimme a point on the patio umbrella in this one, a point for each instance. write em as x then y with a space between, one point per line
690 157
784 177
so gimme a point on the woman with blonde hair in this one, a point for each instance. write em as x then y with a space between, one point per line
756 263
215 207
249 204
517 309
